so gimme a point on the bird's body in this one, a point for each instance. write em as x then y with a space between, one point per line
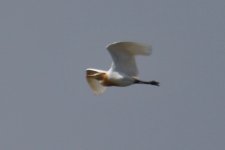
118 79
123 71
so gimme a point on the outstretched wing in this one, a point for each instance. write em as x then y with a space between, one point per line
94 84
123 55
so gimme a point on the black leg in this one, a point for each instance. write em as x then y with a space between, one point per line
155 83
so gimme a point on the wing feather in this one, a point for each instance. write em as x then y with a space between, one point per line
94 84
123 55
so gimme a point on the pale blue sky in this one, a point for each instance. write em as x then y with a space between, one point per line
46 104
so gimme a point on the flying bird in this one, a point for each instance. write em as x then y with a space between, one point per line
123 71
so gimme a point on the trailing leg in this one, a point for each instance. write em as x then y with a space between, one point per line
155 83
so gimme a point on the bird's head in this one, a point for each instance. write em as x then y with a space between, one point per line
96 74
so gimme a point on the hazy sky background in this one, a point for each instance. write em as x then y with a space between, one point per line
46 104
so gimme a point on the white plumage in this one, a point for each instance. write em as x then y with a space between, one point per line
123 71
123 55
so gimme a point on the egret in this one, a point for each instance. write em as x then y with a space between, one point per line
123 71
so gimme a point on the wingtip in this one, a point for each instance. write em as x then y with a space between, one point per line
137 47
95 86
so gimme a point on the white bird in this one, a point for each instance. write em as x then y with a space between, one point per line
123 71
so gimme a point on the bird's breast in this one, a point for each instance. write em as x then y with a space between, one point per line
117 80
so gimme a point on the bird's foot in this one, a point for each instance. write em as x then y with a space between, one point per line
156 83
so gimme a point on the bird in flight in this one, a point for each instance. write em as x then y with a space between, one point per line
123 71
